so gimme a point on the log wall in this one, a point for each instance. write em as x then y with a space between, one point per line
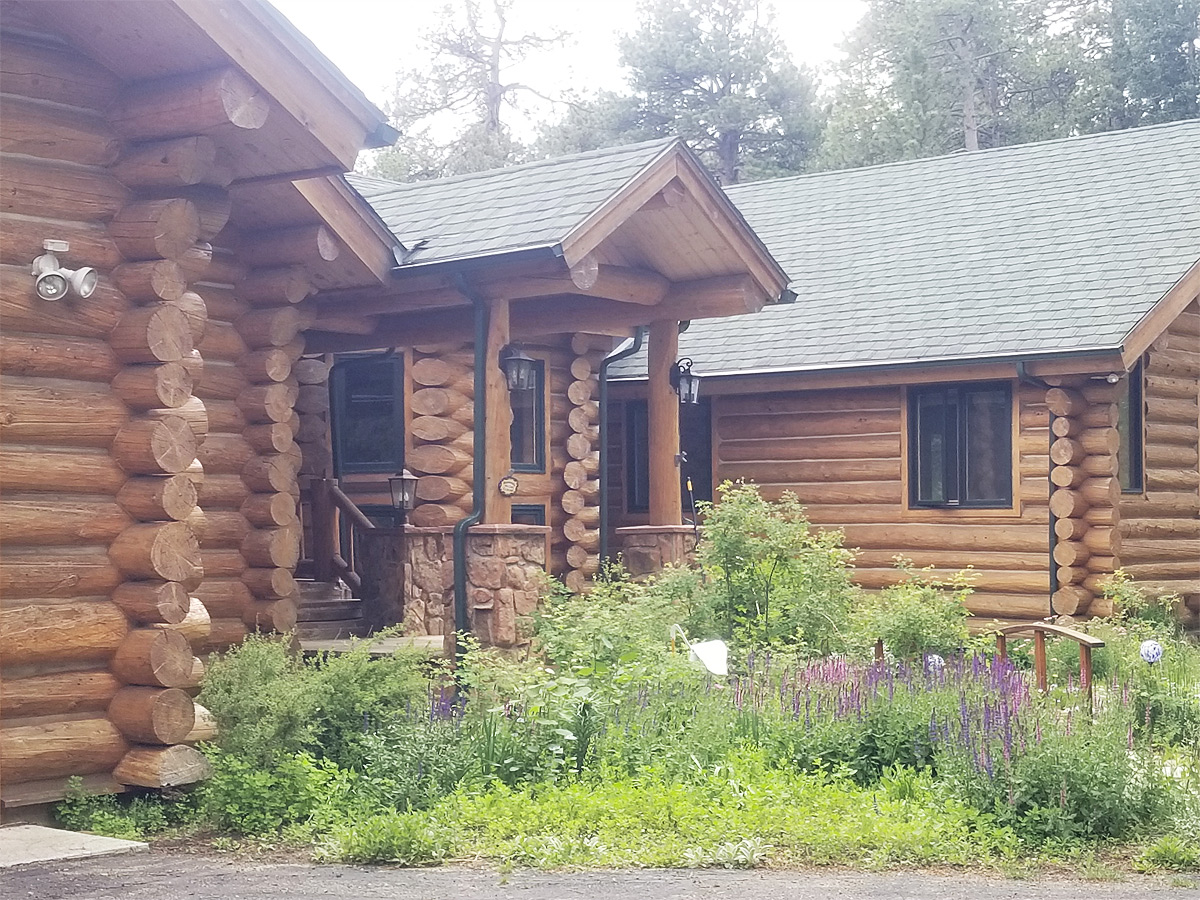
1159 530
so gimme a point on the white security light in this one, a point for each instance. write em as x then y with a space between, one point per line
53 281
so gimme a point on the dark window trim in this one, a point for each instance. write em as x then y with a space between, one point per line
959 449
337 415
1137 433
538 466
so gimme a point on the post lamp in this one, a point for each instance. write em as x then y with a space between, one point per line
518 368
404 492
685 382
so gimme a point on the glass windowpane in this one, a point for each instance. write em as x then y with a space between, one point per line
987 463
528 426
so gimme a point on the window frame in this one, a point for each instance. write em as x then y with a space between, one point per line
1136 397
911 446
338 401
541 429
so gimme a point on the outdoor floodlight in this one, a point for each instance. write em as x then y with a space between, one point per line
53 281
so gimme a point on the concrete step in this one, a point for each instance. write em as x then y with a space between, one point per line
329 611
319 591
327 631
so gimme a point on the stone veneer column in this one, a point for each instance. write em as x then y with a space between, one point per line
646 549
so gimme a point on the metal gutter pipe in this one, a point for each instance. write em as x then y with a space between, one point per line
478 473
617 355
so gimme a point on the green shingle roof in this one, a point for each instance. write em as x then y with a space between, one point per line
505 210
1037 249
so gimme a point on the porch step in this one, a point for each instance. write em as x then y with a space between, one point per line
319 591
329 610
330 630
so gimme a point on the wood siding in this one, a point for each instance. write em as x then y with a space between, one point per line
1159 531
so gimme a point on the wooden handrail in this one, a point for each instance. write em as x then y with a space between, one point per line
357 517
1087 643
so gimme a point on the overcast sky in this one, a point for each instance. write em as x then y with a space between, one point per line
371 39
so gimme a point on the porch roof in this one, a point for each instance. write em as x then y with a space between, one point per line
1032 251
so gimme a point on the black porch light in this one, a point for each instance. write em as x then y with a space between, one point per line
404 490
518 368
685 382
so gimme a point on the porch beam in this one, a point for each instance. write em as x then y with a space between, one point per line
497 462
666 500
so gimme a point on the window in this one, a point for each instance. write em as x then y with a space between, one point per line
637 456
1130 459
528 431
695 439
368 429
960 446
528 514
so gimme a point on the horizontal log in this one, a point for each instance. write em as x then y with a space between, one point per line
153 657
272 547
1065 402
1034 583
1016 538
166 550
190 104
1071 600
172 163
1175 364
150 281
834 492
433 515
204 727
224 563
1173 479
271 615
269 474
53 357
196 626
1156 529
168 385
40 187
270 584
224 597
1166 433
222 342
273 327
434 459
1067 452
54 72
50 521
32 412
217 529
1164 570
152 334
270 509
58 694
275 287
1184 412
1165 386
1178 547
76 747
59 632
24 311
154 446
300 245
1071 553
152 715
1069 476
222 492
153 229
153 601
846 424
437 488
225 454
160 767
56 573
266 403
194 414
155 498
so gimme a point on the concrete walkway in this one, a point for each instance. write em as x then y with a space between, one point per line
161 875
24 844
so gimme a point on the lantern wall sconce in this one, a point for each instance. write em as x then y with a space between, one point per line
518 368
685 382
53 281
404 490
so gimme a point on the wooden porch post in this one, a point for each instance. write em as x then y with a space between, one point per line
666 503
497 509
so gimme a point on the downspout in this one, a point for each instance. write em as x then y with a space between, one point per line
478 473
616 356
1023 377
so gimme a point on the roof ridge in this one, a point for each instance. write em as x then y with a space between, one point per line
973 154
525 166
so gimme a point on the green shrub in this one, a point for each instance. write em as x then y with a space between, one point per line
774 579
132 817
405 839
245 797
271 703
1170 852
919 615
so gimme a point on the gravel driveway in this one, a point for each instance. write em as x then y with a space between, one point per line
159 875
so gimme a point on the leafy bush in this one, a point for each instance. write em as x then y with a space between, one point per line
1170 852
775 580
244 797
915 617
132 818
405 839
269 702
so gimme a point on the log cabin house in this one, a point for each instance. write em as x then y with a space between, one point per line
180 256
995 363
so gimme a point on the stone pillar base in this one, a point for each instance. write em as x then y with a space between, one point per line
505 568
646 549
